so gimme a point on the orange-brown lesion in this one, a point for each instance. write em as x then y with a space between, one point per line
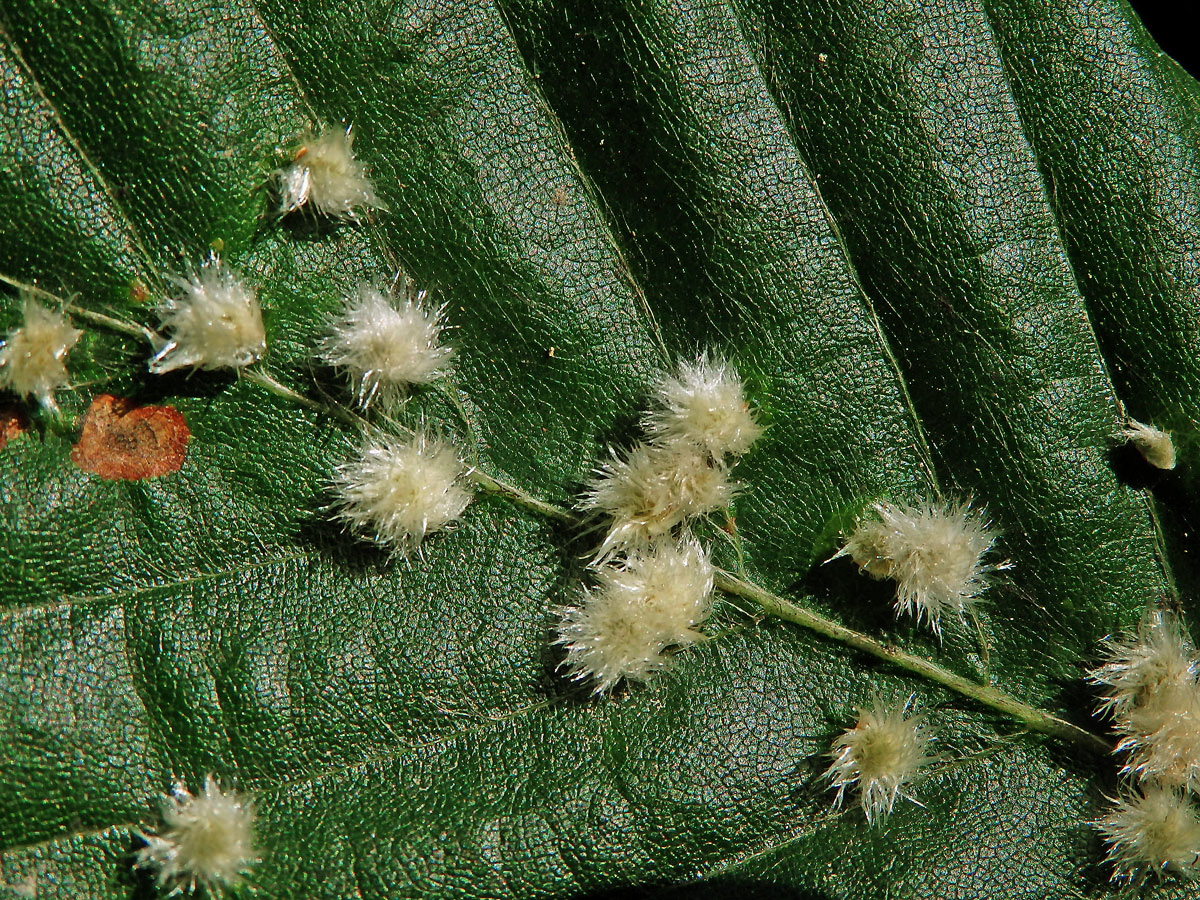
121 440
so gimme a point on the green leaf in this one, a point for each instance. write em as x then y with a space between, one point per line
949 246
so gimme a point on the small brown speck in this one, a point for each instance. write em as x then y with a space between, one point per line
124 441
12 423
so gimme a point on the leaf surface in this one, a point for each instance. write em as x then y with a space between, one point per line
929 264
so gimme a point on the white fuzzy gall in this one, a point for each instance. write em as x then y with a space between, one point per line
933 551
398 490
207 840
654 488
653 600
704 403
881 754
325 176
213 322
384 347
1154 833
1149 687
33 357
1154 444
1161 736
1136 669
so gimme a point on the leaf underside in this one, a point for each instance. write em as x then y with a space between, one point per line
950 246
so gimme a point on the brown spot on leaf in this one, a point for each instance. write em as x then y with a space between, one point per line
125 441
12 423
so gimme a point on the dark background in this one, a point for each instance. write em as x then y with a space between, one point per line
1174 29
